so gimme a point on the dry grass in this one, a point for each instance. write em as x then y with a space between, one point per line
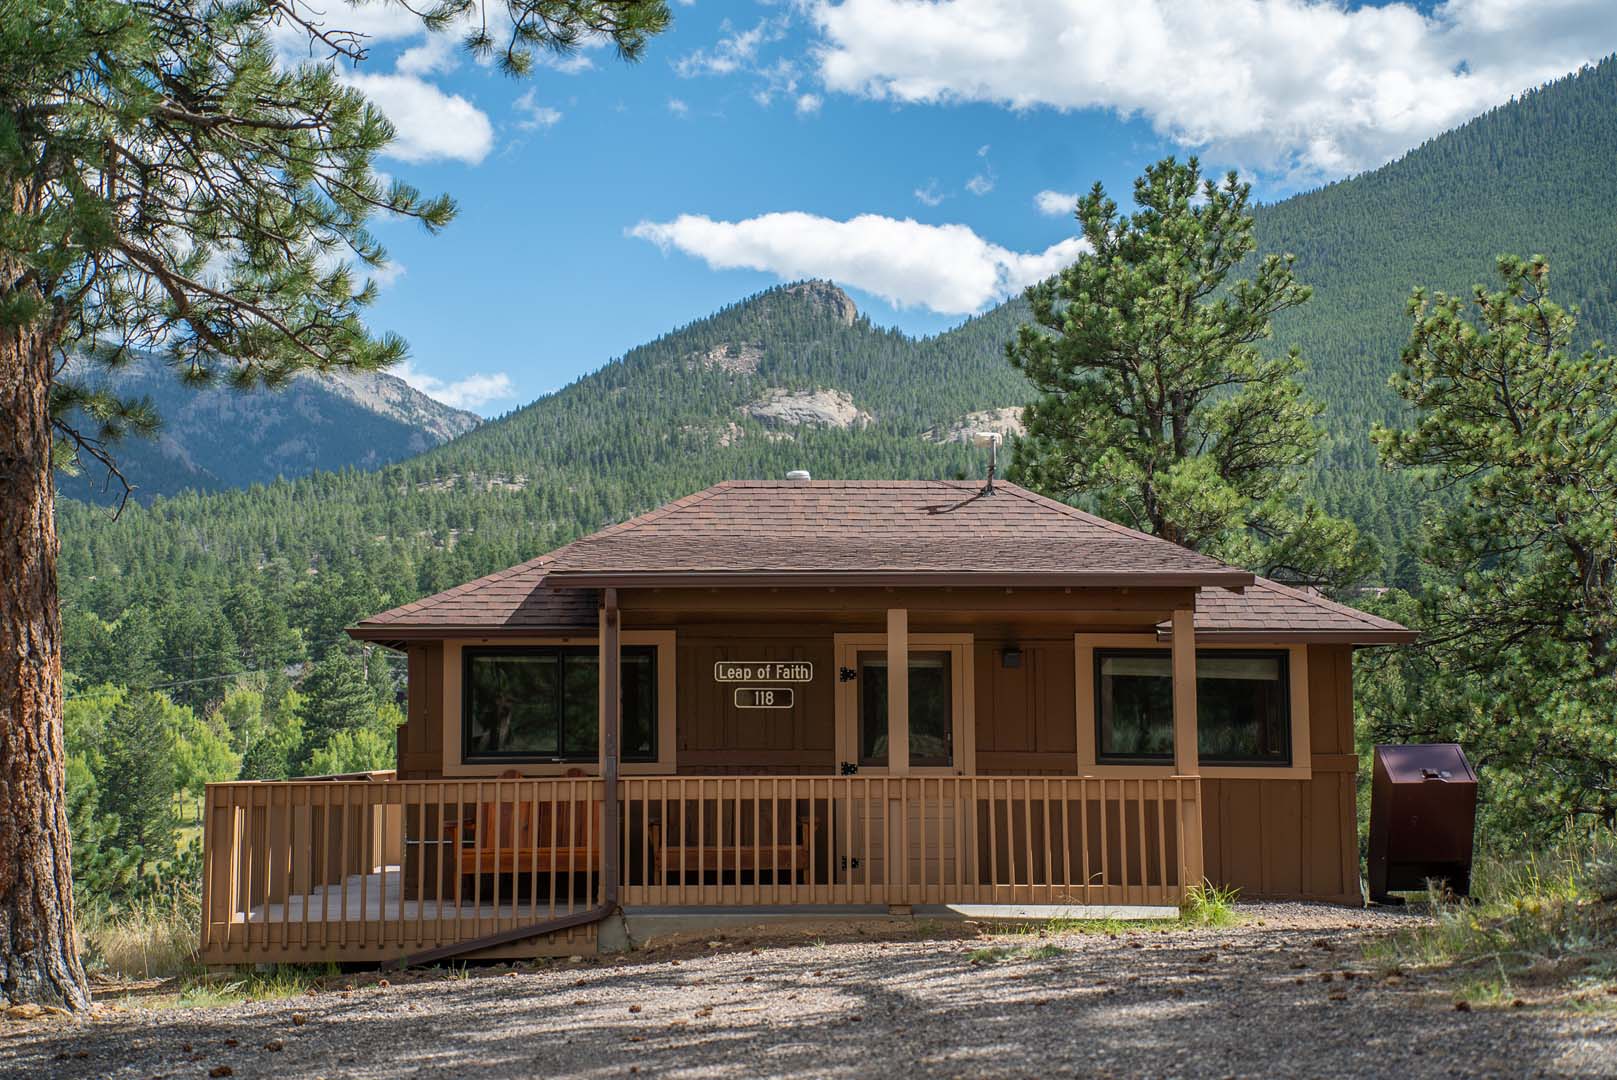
1540 925
156 939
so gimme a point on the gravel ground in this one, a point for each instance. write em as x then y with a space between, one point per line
1287 993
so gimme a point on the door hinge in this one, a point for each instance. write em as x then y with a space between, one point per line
847 674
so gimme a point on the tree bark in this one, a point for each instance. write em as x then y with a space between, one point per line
39 957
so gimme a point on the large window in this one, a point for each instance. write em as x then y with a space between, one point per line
1243 710
542 704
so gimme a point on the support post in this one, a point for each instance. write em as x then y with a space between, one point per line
1186 753
611 725
898 691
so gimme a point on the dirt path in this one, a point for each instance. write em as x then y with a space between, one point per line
1268 998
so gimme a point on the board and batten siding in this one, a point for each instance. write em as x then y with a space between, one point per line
715 738
1282 837
1289 838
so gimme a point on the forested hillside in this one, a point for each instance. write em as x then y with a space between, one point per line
795 378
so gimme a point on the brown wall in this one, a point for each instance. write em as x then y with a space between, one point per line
1290 838
716 737
1025 715
1282 837
420 738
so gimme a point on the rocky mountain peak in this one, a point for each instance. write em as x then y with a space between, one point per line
825 294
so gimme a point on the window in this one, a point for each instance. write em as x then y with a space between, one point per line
542 704
1243 709
931 709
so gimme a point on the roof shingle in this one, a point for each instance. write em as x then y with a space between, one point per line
815 530
872 529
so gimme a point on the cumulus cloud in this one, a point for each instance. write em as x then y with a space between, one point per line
808 103
1297 87
678 107
1056 203
947 268
734 51
471 392
431 124
981 184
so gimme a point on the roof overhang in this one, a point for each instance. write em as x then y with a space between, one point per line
1300 637
1227 578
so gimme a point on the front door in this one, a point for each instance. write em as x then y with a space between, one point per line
939 704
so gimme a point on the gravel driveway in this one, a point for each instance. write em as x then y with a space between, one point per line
1267 998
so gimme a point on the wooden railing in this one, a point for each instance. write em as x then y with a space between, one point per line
356 870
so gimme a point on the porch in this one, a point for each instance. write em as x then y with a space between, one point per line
370 870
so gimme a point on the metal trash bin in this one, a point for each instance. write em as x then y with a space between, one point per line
1423 811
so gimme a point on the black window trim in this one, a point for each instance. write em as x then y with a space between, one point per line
1283 655
470 653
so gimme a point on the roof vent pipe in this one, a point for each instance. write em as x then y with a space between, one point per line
991 440
799 476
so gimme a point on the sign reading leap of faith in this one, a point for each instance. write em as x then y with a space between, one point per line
779 671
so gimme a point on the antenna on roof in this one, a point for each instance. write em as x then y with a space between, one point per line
990 439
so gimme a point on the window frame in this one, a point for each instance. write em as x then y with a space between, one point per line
470 654
1282 655
1302 762
444 711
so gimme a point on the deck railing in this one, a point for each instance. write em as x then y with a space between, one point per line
356 870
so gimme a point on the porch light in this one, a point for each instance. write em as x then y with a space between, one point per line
1010 656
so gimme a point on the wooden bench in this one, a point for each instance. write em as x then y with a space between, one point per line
518 837
764 853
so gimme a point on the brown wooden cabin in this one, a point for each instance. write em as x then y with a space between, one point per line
831 695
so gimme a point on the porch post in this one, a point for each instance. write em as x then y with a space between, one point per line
898 691
1186 753
611 716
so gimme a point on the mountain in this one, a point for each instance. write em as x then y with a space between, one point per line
795 377
219 438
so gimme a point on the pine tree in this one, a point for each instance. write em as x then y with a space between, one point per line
337 698
1155 403
165 183
136 784
1518 429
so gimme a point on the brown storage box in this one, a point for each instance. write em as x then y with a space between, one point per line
1423 808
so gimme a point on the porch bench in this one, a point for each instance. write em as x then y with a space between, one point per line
517 838
756 856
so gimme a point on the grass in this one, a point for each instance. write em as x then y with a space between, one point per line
1209 905
1540 924
156 939
281 981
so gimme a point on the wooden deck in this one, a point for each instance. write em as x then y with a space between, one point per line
351 870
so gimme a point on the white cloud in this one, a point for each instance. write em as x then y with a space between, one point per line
982 151
808 103
431 124
678 107
438 52
981 184
471 392
734 51
535 116
1299 87
1056 203
947 268
932 195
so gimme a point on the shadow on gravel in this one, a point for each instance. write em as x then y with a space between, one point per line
1151 1005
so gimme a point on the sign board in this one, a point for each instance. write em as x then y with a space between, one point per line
764 697
778 671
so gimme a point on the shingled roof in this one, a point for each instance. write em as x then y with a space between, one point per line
510 600
886 532
1270 611
889 532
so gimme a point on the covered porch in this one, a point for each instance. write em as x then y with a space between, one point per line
379 869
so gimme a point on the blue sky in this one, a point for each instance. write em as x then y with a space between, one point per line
922 154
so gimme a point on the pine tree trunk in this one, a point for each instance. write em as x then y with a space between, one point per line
39 958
